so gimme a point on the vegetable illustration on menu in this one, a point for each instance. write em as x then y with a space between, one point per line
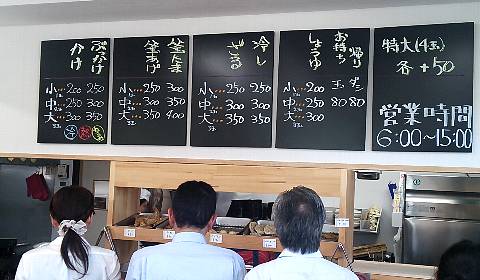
150 90
232 90
73 97
322 89
423 88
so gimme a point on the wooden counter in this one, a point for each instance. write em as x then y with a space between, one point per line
394 271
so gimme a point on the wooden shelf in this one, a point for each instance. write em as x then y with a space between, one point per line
247 242
126 179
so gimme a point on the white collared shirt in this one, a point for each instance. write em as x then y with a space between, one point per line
46 263
296 266
187 257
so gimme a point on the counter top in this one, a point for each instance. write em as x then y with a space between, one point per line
394 269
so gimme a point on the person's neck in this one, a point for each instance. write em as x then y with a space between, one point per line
202 231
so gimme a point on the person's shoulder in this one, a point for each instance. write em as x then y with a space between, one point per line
95 250
340 270
223 251
259 272
150 251
348 274
40 249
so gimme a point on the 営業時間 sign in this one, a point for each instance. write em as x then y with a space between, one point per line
423 88
232 90
322 89
150 90
73 95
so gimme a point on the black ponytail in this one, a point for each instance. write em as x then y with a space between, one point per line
72 243
73 203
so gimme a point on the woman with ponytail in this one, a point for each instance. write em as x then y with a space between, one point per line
69 256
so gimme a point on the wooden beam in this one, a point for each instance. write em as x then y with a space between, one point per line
228 178
384 167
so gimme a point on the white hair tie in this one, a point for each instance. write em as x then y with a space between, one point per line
79 227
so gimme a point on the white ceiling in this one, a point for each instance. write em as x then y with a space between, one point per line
22 12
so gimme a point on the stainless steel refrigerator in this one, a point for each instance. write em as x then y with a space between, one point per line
440 210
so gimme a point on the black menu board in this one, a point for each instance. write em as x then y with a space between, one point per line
232 90
73 95
150 90
322 89
423 88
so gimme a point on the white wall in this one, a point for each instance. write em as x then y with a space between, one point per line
19 80
375 193
93 171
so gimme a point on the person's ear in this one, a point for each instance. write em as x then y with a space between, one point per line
54 222
89 219
211 222
171 217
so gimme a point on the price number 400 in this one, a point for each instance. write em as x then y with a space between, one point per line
174 115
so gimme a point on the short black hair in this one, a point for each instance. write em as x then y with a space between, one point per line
298 216
193 204
460 262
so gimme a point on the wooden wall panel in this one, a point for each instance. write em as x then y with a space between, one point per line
122 202
228 178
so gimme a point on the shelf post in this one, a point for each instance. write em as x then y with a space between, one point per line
122 202
347 194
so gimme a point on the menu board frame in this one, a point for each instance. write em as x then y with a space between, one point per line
74 91
150 90
322 89
232 90
423 88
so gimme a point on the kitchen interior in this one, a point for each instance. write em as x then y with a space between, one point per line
399 217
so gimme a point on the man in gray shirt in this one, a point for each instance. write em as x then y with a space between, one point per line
299 215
